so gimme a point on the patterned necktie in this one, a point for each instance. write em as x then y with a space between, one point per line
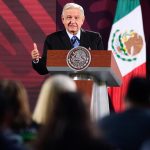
75 42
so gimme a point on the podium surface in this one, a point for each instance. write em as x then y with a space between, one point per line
103 66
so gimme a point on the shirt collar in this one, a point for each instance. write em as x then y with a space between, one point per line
77 35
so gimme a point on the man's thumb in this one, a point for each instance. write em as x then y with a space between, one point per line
35 46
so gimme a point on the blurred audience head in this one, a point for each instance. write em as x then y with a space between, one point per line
69 107
68 124
14 107
138 92
50 89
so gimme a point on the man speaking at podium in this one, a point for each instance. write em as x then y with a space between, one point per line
72 36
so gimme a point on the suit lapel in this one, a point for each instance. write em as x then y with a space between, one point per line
84 39
66 40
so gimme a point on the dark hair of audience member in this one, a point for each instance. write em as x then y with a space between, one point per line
138 92
3 107
69 123
14 104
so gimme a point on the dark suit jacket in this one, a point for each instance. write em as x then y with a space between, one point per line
60 41
127 130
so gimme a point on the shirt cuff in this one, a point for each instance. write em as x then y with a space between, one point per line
35 61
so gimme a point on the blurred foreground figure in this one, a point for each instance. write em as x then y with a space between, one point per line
129 129
49 91
68 126
14 114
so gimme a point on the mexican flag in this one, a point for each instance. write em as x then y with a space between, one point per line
127 43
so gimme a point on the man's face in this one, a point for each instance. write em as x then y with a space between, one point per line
72 20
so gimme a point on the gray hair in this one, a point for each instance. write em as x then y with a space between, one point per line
73 6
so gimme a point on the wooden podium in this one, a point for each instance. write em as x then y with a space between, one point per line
102 69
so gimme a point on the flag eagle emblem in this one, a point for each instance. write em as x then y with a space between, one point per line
127 45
